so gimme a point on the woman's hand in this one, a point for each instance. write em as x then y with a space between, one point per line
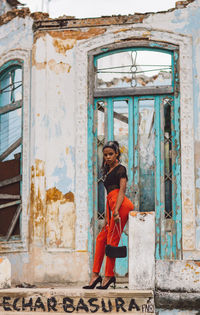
116 216
120 199
104 225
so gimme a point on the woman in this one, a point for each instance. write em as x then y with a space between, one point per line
118 207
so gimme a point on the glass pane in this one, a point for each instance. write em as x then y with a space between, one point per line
5 95
100 143
120 113
168 158
134 69
10 130
146 155
11 87
17 85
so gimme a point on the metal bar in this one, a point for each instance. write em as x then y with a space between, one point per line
157 178
173 183
163 236
9 204
178 179
176 170
131 72
9 181
10 107
128 66
110 120
116 115
8 196
8 151
106 120
13 222
133 91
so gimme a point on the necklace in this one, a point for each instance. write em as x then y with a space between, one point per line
110 170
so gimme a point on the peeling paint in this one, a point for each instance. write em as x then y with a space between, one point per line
121 30
53 194
60 67
61 46
69 36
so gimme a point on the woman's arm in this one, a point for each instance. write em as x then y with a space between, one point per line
120 198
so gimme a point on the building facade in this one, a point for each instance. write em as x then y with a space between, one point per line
66 86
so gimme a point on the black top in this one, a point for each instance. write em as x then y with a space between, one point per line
112 179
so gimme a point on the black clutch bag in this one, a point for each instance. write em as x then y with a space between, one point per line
116 251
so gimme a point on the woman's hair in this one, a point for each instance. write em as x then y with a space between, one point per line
115 146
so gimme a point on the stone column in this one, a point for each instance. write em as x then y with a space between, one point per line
5 273
141 250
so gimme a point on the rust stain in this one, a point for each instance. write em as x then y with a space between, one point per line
8 16
66 35
37 202
121 30
197 263
69 197
38 65
58 242
146 34
67 151
39 167
135 213
61 46
53 194
40 16
60 67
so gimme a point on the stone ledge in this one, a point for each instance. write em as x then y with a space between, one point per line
177 300
76 300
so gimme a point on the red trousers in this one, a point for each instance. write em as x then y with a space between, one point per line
106 236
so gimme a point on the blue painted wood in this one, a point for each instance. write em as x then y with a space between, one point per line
110 120
130 147
177 174
168 245
11 64
90 179
157 178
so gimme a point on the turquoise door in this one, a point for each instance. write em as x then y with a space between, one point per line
147 129
135 100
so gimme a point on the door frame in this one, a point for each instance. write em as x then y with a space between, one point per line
92 128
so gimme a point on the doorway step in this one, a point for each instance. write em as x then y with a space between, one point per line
75 300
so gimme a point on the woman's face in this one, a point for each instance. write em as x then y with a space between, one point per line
110 157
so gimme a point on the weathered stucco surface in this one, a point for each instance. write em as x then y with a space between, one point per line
141 250
55 219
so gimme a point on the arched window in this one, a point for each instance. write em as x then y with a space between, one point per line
11 101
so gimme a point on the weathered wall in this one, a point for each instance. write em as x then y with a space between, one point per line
55 208
4 7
